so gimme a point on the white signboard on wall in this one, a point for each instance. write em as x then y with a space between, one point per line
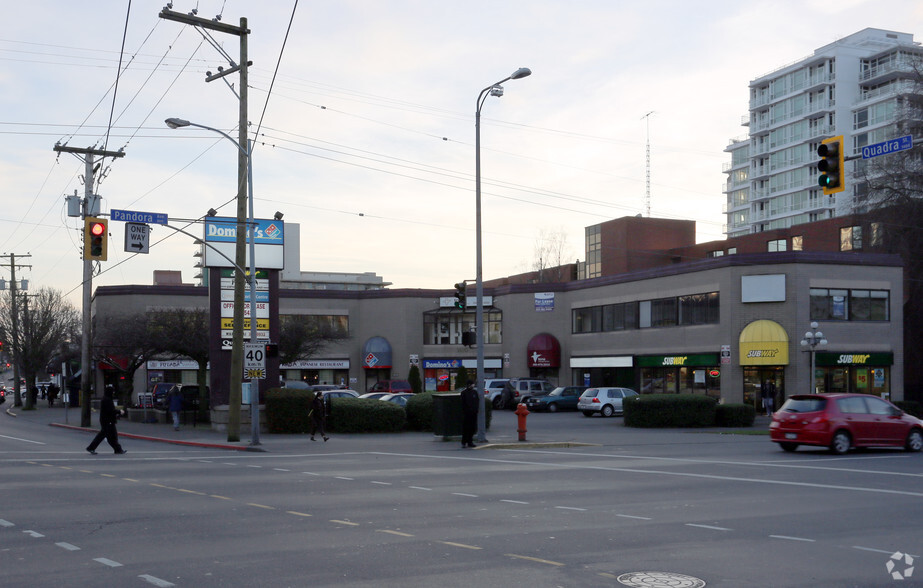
762 288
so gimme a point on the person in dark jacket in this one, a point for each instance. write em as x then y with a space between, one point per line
318 416
175 405
108 415
469 400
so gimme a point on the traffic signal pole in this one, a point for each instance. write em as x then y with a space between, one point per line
90 207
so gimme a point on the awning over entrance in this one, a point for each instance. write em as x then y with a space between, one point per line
763 342
544 351
376 354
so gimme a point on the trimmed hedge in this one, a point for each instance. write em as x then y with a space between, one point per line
420 412
287 412
734 415
669 410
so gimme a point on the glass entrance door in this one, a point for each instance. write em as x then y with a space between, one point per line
756 378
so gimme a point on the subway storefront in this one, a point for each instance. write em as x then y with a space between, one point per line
865 373
691 373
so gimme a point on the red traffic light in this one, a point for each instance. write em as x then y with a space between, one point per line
97 228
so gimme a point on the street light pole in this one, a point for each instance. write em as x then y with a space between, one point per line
812 339
175 123
494 89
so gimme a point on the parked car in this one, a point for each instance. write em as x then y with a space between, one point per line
844 421
374 395
605 401
518 390
391 386
561 398
159 394
341 393
492 389
399 398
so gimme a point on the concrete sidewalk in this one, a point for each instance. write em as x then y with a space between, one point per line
544 431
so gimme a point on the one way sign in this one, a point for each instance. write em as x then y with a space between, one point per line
137 238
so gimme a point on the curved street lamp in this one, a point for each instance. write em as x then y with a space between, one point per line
237 343
494 89
813 339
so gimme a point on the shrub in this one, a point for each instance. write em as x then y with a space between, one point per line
669 410
413 378
365 415
420 412
287 411
734 415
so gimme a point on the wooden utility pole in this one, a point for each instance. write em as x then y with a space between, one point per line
90 208
15 344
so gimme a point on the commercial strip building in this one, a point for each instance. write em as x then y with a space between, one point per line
718 326
855 87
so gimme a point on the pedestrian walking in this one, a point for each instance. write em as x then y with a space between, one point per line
469 400
318 416
769 396
108 415
175 405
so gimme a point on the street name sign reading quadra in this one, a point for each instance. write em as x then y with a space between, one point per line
886 147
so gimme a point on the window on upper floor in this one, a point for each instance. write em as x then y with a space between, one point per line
446 326
853 305
851 238
776 245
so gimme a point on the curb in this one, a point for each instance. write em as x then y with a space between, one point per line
162 440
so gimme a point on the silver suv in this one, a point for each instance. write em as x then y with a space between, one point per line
492 389
517 390
605 401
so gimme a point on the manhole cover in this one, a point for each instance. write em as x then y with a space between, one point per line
659 580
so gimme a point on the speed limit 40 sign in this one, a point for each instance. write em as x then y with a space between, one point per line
255 361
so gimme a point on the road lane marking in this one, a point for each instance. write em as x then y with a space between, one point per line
281 470
191 491
4 523
787 538
711 527
156 581
107 562
382 483
343 478
462 545
872 550
296 513
513 501
35 534
344 523
219 496
570 508
624 516
20 439
107 475
464 494
535 559
261 506
130 480
390 532
67 546
419 488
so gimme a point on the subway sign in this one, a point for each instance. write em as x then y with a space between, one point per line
692 359
838 359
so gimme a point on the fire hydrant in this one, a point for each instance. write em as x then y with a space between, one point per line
521 413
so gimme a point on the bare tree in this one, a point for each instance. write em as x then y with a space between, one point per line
123 343
302 337
890 190
46 323
552 255
183 332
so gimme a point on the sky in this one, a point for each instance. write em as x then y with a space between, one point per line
363 112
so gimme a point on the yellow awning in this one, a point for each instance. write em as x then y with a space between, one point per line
763 342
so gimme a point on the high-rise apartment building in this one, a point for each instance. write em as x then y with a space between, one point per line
852 87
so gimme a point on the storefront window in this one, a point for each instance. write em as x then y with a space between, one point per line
445 327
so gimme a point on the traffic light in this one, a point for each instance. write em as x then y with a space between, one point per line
95 238
831 166
272 350
460 295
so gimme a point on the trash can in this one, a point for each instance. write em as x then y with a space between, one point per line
447 415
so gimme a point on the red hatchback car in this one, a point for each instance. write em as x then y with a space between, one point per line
844 421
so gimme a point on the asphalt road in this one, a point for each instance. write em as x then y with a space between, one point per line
654 508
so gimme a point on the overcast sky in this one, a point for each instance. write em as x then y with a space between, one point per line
367 138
